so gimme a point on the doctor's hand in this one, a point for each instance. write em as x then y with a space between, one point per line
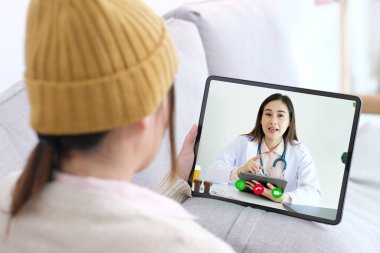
185 158
267 191
251 166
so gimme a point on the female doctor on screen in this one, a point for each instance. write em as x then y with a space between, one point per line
272 149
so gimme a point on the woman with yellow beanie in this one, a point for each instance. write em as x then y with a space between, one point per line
99 77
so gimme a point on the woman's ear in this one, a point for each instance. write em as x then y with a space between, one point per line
143 123
140 125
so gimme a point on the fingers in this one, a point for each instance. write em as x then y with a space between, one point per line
269 185
252 170
192 134
255 158
256 182
251 166
194 131
254 167
249 184
188 143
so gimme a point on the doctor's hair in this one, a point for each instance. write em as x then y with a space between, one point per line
290 135
47 157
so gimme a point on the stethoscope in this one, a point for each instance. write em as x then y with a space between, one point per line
281 159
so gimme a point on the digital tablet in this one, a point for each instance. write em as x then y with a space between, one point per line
277 182
299 136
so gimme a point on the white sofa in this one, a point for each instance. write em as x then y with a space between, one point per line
241 39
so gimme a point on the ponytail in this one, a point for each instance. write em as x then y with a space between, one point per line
37 172
174 170
46 157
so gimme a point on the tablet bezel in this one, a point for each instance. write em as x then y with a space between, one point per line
293 89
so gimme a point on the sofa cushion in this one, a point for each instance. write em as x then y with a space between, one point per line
17 137
243 39
189 88
357 232
363 198
253 230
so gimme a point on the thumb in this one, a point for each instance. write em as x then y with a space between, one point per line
189 141
259 156
192 134
270 186
254 159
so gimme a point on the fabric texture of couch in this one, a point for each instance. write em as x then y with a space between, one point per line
17 138
243 39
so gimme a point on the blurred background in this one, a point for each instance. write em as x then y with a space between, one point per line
336 44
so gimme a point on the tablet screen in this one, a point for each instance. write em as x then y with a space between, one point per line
301 140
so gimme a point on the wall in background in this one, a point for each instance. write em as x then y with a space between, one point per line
314 29
12 29
364 45
315 39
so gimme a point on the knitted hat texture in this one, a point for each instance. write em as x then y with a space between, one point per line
94 65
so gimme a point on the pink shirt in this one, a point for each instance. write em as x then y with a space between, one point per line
270 157
140 197
268 160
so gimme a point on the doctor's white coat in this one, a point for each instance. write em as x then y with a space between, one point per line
303 182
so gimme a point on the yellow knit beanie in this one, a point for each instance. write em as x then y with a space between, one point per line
94 65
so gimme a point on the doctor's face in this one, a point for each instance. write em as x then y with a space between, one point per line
275 120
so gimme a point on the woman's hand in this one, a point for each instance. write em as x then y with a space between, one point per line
267 191
185 158
251 166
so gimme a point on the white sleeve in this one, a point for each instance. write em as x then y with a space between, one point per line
221 167
308 191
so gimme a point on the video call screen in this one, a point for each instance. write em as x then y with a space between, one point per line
280 148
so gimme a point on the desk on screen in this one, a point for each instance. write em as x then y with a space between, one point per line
230 192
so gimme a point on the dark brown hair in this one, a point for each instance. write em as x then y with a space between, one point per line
290 134
46 157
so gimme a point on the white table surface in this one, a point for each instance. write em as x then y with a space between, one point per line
229 191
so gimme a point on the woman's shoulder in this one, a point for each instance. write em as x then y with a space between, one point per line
241 141
244 138
299 147
238 143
